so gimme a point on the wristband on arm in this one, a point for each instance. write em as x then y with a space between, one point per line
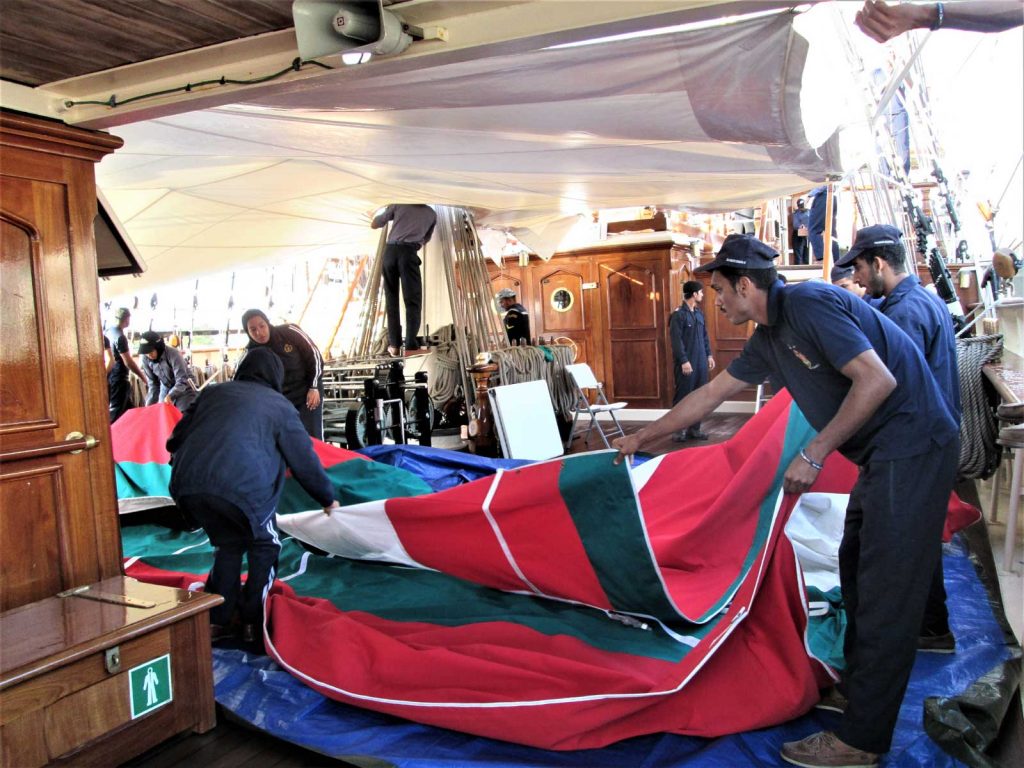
809 460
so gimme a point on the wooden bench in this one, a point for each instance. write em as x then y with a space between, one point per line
66 673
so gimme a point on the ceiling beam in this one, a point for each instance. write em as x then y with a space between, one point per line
498 29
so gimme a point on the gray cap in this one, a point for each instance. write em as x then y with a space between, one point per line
505 293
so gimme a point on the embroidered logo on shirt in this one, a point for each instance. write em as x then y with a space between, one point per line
802 358
288 348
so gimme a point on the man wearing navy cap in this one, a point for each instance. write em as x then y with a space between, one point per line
691 351
801 230
879 265
864 385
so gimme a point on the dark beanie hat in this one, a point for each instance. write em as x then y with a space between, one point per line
690 287
151 341
249 314
262 366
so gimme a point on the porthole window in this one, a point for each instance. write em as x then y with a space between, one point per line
562 300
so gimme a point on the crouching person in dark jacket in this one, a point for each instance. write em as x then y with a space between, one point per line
229 454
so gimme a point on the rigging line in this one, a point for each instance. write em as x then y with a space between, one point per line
897 80
112 102
1010 181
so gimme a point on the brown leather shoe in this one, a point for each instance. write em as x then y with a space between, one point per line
826 750
832 701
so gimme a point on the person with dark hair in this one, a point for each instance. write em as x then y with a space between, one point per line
119 388
170 380
691 351
879 265
515 317
842 277
801 230
411 228
229 455
819 204
865 387
303 366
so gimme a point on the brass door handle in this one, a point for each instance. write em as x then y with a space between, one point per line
75 437
74 442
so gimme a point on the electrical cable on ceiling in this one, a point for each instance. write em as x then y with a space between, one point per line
296 65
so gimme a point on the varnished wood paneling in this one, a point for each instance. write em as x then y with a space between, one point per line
51 309
631 293
83 36
636 328
637 369
22 400
559 318
32 561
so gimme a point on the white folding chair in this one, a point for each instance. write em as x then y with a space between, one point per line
584 380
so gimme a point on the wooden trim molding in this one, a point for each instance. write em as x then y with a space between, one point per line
54 137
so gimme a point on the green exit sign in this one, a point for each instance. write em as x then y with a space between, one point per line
150 685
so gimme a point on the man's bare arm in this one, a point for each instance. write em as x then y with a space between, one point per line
882 22
133 366
871 385
692 408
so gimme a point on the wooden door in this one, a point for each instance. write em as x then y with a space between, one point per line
565 306
636 368
727 340
58 508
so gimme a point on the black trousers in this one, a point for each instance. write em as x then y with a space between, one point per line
119 392
313 420
402 266
799 250
686 384
232 534
891 544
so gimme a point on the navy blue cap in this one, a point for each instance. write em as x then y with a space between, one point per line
874 236
839 273
742 252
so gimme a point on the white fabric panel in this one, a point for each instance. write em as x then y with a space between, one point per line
359 531
815 529
708 119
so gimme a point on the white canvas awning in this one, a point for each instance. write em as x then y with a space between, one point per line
717 118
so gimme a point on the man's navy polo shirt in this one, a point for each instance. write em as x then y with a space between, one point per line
924 318
813 330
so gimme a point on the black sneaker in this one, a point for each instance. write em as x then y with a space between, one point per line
221 632
937 643
252 639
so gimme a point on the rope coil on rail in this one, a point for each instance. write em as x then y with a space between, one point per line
979 453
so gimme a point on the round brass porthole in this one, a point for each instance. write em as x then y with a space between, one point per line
562 300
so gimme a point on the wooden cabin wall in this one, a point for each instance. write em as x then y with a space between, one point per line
58 525
619 315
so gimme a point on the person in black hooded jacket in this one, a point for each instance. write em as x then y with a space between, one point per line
303 366
229 455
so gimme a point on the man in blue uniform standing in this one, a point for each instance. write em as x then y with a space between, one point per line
691 351
879 265
866 388
229 455
515 317
411 228
801 230
819 204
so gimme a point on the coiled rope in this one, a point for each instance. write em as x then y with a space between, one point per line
520 364
979 454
